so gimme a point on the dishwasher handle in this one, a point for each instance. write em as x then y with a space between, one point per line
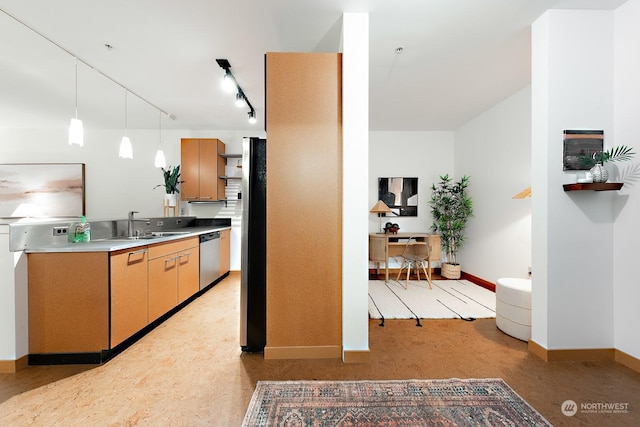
209 236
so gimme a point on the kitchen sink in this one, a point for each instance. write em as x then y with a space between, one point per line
153 235
168 233
128 239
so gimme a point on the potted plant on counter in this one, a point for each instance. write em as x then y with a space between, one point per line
451 208
171 181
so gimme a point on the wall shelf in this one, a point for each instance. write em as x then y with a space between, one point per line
593 186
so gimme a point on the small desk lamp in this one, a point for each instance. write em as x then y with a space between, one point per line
380 208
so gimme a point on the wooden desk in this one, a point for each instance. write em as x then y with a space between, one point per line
381 249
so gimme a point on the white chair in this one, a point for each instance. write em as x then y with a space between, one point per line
416 255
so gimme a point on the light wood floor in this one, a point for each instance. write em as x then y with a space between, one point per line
190 371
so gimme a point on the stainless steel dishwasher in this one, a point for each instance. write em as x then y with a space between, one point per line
209 258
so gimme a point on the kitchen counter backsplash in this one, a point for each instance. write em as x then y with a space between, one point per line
23 236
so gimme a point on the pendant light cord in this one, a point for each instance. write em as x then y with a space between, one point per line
125 112
171 116
76 87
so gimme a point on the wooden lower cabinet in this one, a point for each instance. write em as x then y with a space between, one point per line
68 302
225 251
164 265
88 303
129 293
163 285
188 273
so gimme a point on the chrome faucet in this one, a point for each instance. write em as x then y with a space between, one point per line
130 223
132 233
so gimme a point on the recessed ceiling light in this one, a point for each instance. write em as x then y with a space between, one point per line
108 46
399 50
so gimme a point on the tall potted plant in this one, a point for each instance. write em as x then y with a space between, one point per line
451 208
171 181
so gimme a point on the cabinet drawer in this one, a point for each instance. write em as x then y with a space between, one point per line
162 249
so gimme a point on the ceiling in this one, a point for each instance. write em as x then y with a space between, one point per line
460 57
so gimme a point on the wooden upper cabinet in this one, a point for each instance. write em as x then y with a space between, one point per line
190 169
201 168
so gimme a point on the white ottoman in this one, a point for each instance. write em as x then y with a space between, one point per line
513 307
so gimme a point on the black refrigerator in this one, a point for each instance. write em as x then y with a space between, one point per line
253 288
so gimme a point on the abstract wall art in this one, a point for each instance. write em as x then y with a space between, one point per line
578 144
42 190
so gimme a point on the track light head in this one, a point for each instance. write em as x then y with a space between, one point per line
228 82
240 100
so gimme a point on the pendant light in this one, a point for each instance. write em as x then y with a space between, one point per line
76 132
126 151
160 161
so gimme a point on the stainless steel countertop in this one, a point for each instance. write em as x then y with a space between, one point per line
110 245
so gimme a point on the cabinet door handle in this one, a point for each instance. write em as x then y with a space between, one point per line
138 252
184 256
206 197
170 259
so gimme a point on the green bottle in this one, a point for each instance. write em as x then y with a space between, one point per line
80 231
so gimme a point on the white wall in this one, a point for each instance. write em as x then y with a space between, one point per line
626 292
425 155
572 245
494 149
355 147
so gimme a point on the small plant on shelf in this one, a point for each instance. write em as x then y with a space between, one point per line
171 179
620 153
597 160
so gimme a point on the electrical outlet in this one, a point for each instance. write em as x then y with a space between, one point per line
60 231
159 224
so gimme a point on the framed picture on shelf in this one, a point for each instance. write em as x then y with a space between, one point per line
580 143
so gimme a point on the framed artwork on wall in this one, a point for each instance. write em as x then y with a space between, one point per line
42 190
400 194
579 143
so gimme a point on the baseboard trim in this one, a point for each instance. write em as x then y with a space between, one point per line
299 352
478 281
587 354
356 356
537 350
13 366
572 355
627 360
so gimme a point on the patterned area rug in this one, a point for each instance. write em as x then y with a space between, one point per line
454 402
